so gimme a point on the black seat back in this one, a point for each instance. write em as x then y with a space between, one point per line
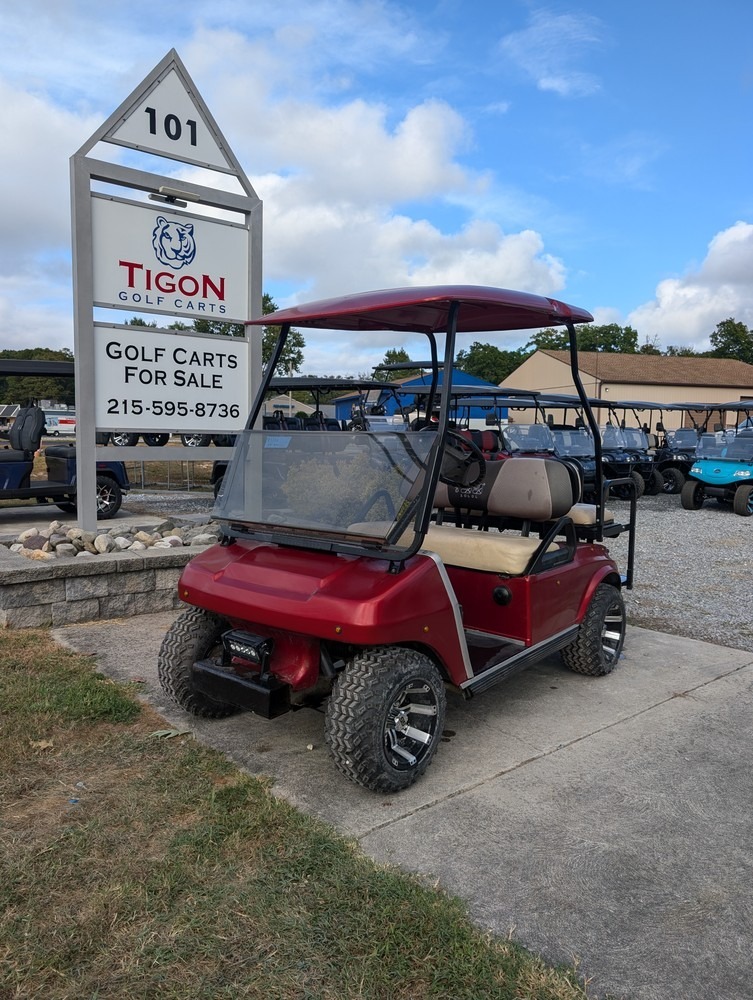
27 430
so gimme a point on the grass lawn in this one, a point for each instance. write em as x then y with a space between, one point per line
136 863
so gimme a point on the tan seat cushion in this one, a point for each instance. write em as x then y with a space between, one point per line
585 514
492 552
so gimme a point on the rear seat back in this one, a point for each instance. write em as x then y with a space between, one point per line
531 489
27 430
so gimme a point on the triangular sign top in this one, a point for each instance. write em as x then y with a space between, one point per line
165 115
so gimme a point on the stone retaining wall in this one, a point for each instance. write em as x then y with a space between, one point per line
66 591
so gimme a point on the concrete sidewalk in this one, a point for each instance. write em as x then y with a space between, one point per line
600 819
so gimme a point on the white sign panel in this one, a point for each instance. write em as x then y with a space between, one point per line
169 123
150 259
161 381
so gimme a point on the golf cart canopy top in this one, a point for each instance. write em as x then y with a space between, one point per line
427 309
325 383
35 366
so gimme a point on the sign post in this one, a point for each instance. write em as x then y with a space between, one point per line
162 245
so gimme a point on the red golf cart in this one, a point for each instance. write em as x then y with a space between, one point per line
380 570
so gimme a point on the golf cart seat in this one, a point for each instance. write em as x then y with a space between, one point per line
487 441
60 451
25 434
518 493
513 496
12 455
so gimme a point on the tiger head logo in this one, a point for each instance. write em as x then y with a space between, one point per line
173 243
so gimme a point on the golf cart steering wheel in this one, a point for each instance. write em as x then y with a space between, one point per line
463 464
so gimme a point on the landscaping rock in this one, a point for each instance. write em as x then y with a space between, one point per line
57 541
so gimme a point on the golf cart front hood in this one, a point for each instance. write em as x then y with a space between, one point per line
347 599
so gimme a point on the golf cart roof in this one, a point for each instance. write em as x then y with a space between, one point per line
427 309
398 366
562 401
15 366
518 401
313 383
477 391
634 404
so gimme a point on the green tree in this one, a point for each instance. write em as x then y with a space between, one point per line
17 389
650 346
489 362
609 338
292 354
674 351
732 340
394 355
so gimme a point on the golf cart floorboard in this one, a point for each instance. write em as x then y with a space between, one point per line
486 651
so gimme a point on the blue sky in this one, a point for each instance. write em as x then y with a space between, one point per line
599 152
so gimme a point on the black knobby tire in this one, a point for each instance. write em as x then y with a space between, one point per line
218 486
626 492
674 480
109 498
743 501
194 635
68 506
156 440
640 484
597 647
691 496
385 717
654 483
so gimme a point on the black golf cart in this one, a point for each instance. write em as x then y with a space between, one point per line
24 439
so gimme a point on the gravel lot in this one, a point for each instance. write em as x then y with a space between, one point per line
692 568
692 571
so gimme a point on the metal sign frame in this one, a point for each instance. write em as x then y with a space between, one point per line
196 141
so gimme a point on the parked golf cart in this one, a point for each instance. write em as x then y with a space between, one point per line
333 580
676 450
723 466
572 439
24 439
613 459
625 437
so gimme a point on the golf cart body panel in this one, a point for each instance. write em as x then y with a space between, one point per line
341 600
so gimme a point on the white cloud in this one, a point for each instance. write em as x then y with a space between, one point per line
549 47
687 310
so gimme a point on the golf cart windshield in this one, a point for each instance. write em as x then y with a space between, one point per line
726 444
612 436
528 438
574 441
683 437
326 482
635 438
